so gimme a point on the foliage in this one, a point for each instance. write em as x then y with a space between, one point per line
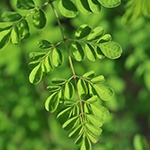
80 99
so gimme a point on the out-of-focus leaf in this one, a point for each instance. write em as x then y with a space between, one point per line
111 50
43 44
39 19
25 4
68 8
15 36
5 26
9 16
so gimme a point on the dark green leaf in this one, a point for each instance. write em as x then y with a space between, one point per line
36 55
9 16
77 51
68 8
111 50
43 44
5 38
110 3
82 31
52 102
39 19
86 144
25 4
15 36
79 138
74 133
83 6
36 75
57 57
23 28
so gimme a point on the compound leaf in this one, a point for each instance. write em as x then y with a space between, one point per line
67 8
36 75
39 19
111 49
110 3
52 102
25 4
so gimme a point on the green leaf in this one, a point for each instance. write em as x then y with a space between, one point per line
5 26
90 52
23 28
83 6
64 115
36 55
110 3
25 4
92 99
5 38
98 79
68 125
39 19
68 8
9 16
92 137
95 33
82 87
74 133
52 102
104 92
89 75
46 64
69 90
79 138
53 88
82 31
15 35
57 57
86 144
111 50
36 75
104 38
95 130
100 111
95 120
99 53
95 6
44 44
77 51
58 81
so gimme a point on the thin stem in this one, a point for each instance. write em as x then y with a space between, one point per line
69 57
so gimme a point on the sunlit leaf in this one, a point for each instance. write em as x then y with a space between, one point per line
25 4
43 44
95 130
82 31
89 74
52 102
95 6
92 99
15 35
96 33
58 81
46 64
5 38
69 90
68 8
86 144
36 75
111 50
53 88
98 79
90 52
110 3
9 16
57 57
36 55
83 6
77 51
82 87
92 137
104 38
39 19
5 26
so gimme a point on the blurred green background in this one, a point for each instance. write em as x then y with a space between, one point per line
24 122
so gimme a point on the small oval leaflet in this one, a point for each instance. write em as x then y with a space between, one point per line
25 4
111 49
39 19
68 8
15 36
95 6
110 3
